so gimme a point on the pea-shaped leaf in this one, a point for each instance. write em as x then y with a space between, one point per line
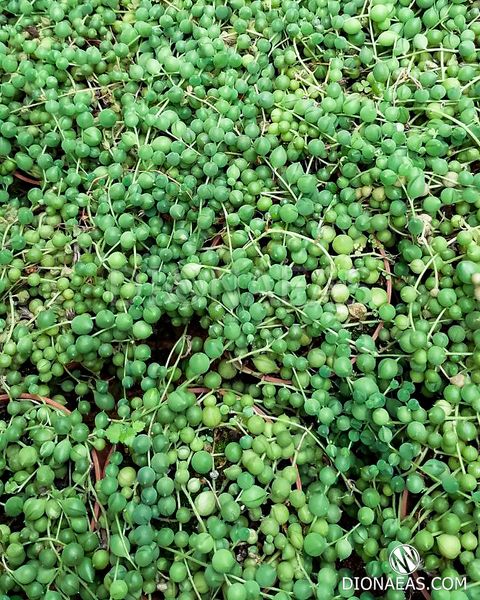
416 186
434 467
264 364
34 508
119 546
278 157
74 507
253 497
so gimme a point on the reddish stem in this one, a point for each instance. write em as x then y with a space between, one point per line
96 507
96 466
271 379
23 177
37 398
216 241
404 504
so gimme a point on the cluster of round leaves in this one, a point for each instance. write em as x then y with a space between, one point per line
425 492
270 488
48 547
202 508
227 178
288 190
445 487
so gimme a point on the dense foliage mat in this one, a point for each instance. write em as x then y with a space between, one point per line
239 298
